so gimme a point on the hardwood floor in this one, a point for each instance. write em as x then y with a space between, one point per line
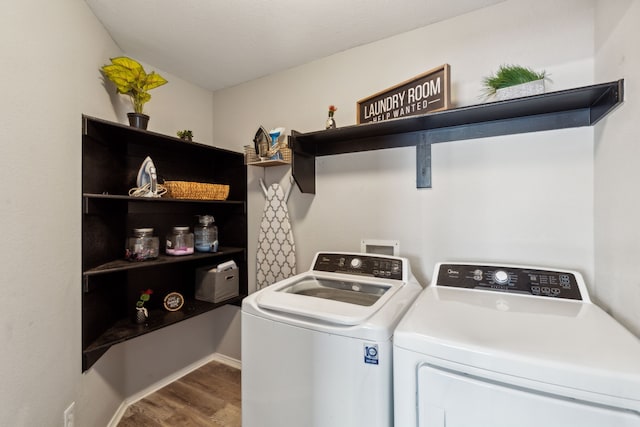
208 396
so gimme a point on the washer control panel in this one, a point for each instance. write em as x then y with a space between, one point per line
360 264
543 283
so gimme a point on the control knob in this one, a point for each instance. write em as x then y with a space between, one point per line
356 263
501 277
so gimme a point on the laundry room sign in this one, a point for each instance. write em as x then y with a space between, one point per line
422 94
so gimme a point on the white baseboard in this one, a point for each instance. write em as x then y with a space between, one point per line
169 379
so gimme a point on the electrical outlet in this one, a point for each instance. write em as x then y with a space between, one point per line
69 415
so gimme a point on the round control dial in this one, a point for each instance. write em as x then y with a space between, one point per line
501 277
356 263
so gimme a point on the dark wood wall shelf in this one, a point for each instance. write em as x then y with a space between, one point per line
111 156
577 107
123 264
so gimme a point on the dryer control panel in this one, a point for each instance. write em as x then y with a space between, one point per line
543 283
360 264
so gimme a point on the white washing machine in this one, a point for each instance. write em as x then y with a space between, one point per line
504 346
317 349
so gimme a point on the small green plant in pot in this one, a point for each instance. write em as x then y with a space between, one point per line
186 134
131 79
508 76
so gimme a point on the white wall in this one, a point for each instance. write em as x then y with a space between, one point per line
617 150
51 54
523 198
51 51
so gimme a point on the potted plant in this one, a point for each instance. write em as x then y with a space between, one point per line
141 311
186 134
331 123
512 81
131 79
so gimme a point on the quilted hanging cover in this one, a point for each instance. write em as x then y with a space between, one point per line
276 257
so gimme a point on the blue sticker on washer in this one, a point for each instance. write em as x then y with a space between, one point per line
371 354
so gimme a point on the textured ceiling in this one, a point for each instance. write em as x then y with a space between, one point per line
217 44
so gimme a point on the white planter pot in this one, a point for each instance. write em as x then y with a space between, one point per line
535 87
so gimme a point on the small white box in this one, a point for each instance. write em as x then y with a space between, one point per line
216 286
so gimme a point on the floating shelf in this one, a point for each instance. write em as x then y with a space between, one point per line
269 163
251 158
123 264
570 108
124 329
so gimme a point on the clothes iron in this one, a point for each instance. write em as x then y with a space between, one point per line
147 180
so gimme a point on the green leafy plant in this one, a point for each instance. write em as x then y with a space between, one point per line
144 297
131 79
510 75
185 134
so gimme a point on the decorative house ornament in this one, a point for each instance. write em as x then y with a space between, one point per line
425 93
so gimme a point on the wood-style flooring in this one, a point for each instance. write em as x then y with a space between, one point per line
208 396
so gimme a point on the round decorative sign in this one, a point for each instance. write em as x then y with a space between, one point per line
173 301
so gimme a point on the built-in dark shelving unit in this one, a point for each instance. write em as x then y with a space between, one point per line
111 156
577 107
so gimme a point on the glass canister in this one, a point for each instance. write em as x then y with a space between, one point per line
180 241
142 245
206 233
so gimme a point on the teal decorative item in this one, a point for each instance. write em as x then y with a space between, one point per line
275 134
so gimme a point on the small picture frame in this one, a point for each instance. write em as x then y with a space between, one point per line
173 301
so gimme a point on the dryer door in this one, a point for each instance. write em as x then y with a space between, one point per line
452 399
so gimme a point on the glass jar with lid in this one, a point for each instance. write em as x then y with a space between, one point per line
179 241
206 234
143 245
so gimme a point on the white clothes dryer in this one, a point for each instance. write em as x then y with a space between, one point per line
501 346
317 347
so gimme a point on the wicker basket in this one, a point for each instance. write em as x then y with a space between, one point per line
196 190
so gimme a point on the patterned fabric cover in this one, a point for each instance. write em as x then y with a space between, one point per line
276 258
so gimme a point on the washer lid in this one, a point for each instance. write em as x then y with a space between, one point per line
559 342
348 291
334 299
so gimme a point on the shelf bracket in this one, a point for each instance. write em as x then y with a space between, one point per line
423 162
303 164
